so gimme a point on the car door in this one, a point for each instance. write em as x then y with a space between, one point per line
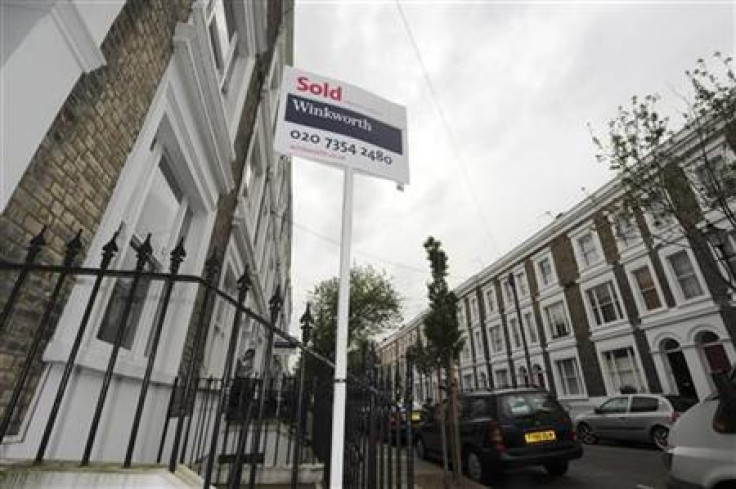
643 413
610 416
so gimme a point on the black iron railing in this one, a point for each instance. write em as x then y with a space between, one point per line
231 427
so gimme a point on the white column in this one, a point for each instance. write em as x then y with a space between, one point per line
661 365
697 371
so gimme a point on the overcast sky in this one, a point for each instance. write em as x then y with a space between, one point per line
516 82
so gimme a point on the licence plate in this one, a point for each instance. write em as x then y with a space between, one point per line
540 436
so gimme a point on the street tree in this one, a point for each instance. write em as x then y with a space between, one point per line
375 306
444 343
676 192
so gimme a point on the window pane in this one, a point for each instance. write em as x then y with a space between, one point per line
647 288
116 306
545 270
644 404
531 327
587 249
514 325
622 369
685 274
604 303
615 406
569 377
557 320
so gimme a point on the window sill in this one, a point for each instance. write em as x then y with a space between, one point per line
594 271
96 356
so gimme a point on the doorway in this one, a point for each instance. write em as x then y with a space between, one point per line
679 369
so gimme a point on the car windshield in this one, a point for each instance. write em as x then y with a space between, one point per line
523 404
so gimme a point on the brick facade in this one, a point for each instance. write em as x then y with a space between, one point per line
72 175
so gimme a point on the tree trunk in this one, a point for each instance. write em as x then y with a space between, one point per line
457 467
443 429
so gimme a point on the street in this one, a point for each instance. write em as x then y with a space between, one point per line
604 466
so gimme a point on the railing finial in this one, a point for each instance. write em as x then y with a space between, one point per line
35 245
73 248
177 256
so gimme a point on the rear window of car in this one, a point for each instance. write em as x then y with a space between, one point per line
681 404
644 404
523 404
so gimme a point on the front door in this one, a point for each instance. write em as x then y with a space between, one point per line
681 374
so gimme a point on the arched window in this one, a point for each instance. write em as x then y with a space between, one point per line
670 345
715 354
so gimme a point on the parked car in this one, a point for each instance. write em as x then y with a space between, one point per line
503 429
702 452
400 418
638 417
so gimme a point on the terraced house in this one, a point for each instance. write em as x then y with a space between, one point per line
598 302
146 128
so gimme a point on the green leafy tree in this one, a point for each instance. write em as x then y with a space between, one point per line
375 306
444 341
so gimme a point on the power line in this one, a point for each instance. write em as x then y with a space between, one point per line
445 125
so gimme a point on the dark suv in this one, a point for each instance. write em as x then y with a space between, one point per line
506 428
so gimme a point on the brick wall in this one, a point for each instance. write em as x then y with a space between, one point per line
567 273
641 345
72 175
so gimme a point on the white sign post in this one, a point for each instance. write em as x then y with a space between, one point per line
335 123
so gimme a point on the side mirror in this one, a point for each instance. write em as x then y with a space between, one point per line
725 418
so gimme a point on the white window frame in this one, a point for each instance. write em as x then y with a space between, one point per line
559 381
530 323
522 284
474 312
623 243
634 284
675 287
604 347
478 344
575 236
619 305
165 132
541 285
489 296
461 315
498 378
492 340
513 324
545 318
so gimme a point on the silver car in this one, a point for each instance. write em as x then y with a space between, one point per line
633 417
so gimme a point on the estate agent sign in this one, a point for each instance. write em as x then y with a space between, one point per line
336 123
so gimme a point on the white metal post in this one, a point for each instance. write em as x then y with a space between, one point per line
341 343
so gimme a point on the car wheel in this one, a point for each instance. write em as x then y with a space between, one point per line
474 467
557 468
586 435
659 436
421 450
